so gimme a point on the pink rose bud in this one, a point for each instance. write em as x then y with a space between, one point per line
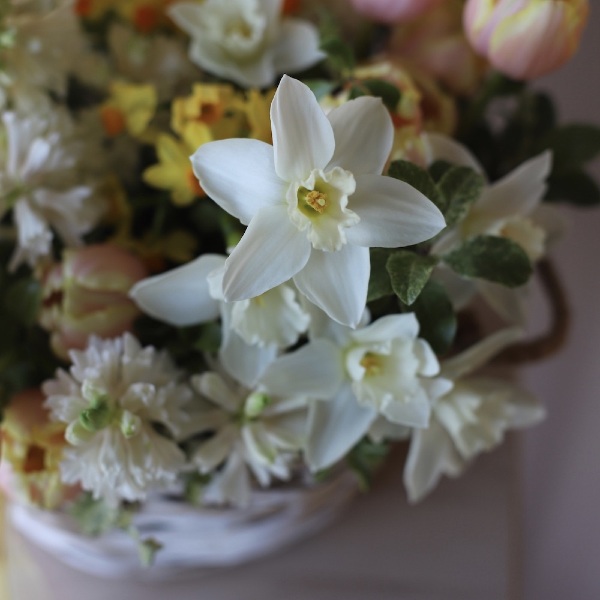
525 39
86 295
393 11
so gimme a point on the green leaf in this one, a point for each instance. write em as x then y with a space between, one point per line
409 272
379 281
496 259
436 317
95 517
460 186
419 179
23 300
573 146
575 187
320 87
389 93
148 548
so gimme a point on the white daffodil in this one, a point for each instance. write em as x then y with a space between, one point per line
511 208
111 399
388 373
247 41
314 202
37 182
253 331
263 428
471 418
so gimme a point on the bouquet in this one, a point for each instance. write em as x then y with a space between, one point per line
245 243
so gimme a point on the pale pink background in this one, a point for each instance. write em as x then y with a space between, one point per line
562 456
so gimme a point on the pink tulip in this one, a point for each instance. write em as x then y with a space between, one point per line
86 295
393 11
525 39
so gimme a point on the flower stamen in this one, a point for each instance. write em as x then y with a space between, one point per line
316 200
371 363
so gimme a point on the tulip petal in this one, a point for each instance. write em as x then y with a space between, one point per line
393 214
337 282
364 135
239 175
270 252
334 427
315 370
180 297
302 135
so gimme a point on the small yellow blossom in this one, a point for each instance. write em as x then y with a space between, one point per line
130 107
256 108
174 169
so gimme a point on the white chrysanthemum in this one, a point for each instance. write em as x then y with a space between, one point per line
314 202
261 429
247 41
111 399
47 42
471 418
37 182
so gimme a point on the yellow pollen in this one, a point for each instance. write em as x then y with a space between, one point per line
370 362
316 200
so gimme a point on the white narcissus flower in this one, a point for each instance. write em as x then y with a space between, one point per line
37 181
111 399
510 207
315 201
471 418
388 373
263 428
253 331
247 41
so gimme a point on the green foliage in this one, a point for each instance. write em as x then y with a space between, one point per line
573 146
436 317
460 187
320 87
496 259
409 272
418 178
340 55
379 282
96 517
364 459
389 93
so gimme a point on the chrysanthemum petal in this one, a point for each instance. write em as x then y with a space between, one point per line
302 135
239 175
271 251
337 282
180 297
393 214
364 135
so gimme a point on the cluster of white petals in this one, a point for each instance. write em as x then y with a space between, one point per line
113 396
38 182
315 201
247 41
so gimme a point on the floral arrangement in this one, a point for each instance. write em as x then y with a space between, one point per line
246 242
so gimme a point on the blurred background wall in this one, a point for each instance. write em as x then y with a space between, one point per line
561 470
